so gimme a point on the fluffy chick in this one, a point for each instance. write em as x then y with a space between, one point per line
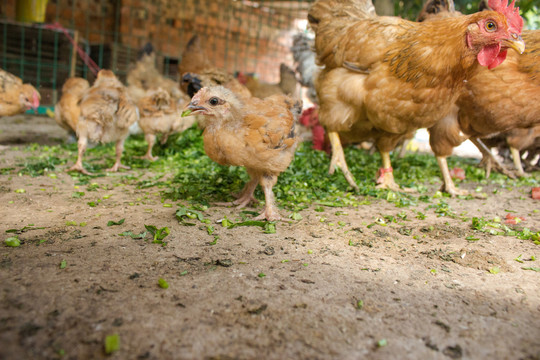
68 110
106 115
160 115
256 134
16 97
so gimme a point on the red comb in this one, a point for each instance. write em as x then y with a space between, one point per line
515 22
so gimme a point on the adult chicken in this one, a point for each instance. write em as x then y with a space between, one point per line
494 101
386 77
16 97
106 115
256 134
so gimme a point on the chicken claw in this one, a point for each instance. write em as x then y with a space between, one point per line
78 167
338 159
385 180
489 161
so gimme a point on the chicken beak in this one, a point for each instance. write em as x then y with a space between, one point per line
193 109
515 43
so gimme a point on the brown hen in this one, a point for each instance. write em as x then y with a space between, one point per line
386 77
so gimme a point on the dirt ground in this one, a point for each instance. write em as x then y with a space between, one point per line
329 286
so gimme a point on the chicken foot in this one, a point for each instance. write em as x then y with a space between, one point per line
385 175
270 212
117 164
490 161
151 140
448 186
81 146
245 197
338 159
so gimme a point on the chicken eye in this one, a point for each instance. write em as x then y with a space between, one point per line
213 101
491 26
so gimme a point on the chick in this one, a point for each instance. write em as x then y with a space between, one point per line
68 110
16 97
160 115
256 134
106 115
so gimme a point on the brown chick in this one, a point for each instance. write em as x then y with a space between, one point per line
192 82
160 115
194 58
67 110
286 85
257 134
144 77
16 97
106 115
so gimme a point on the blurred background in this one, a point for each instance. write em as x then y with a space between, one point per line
37 36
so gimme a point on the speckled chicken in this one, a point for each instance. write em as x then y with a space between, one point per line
107 112
256 134
16 97
160 115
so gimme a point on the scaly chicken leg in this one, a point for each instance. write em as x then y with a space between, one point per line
338 159
516 158
270 212
244 197
119 150
151 140
448 185
78 166
491 161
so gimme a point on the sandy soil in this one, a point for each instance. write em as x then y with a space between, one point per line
329 286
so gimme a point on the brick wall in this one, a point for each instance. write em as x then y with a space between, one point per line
237 35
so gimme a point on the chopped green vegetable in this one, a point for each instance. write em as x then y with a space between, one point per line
494 270
119 222
163 284
12 241
63 264
186 113
359 304
537 269
382 343
158 234
261 275
112 343
142 235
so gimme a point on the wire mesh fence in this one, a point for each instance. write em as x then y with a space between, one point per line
247 36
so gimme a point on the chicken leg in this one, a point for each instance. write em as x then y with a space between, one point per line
81 146
151 140
516 158
448 185
385 175
489 160
245 197
119 150
270 212
338 159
